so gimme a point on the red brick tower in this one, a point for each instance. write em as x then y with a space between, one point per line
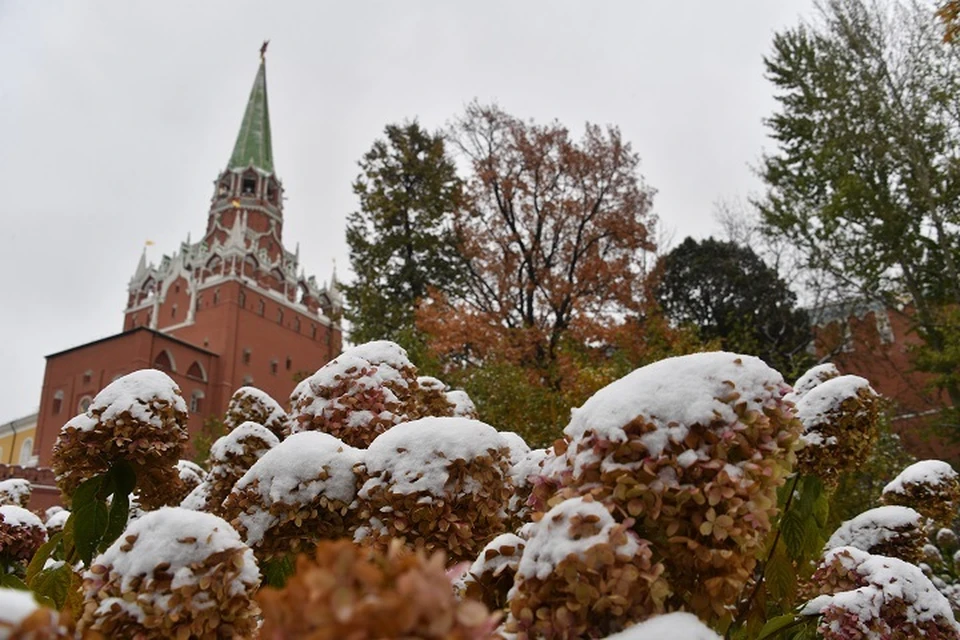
230 310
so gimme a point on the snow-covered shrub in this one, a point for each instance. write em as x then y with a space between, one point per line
15 491
491 576
868 596
230 457
55 522
694 449
347 591
524 474
839 419
22 618
432 398
21 534
191 475
139 418
463 406
357 396
173 573
436 483
813 377
678 625
892 531
298 493
931 487
249 404
582 574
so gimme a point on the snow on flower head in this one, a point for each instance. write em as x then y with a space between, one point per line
21 534
463 406
931 487
358 395
490 577
175 572
230 457
869 596
813 377
139 418
839 418
886 531
443 481
23 618
249 404
296 494
15 491
678 625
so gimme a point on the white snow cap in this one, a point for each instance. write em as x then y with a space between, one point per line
230 443
429 382
15 489
414 456
19 517
462 404
15 606
289 473
887 578
529 465
381 352
263 401
550 541
926 472
190 470
182 538
518 446
824 399
874 527
133 392
678 625
675 393
813 377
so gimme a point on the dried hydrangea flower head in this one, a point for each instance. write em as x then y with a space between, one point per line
231 456
678 625
298 493
21 534
347 591
812 378
22 618
839 419
191 475
140 418
249 404
56 522
694 449
173 573
525 473
931 487
583 574
491 576
892 531
867 596
435 483
463 406
432 398
358 395
15 491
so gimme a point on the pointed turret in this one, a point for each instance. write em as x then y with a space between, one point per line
253 147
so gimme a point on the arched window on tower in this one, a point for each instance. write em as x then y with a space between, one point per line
248 186
196 401
196 372
57 402
164 362
26 452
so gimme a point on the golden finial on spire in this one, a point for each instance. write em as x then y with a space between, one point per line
263 49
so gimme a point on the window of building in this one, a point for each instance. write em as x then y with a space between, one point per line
57 402
313 332
249 186
296 323
289 363
262 307
196 401
246 356
196 371
272 192
280 316
199 301
273 367
216 296
176 288
87 376
173 311
26 452
164 362
84 404
242 299
133 321
247 381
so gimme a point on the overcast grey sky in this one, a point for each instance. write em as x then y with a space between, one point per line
116 117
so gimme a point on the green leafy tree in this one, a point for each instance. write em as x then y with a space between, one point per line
401 239
729 294
866 174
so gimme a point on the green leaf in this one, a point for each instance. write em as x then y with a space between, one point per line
793 529
69 541
40 557
812 538
117 520
123 477
276 571
11 581
821 510
86 493
91 524
810 490
780 577
775 625
54 584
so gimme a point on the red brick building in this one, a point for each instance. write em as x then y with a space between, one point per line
232 309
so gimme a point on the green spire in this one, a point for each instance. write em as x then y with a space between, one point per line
253 142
